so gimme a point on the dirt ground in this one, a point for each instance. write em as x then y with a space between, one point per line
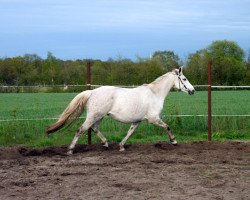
198 170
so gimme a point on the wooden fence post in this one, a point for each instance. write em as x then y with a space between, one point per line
88 83
209 90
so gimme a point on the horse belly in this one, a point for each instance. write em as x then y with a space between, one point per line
123 117
128 111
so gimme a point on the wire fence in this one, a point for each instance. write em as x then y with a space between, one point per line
68 88
25 115
189 114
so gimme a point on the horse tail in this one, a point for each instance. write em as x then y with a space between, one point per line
72 112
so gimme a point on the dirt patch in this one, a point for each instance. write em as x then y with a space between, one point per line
198 170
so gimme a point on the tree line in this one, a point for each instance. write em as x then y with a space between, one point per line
231 66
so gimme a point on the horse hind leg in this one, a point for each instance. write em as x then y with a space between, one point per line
86 125
99 134
130 132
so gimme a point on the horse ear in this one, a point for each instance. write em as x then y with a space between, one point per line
180 70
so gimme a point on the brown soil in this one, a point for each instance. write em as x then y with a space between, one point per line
198 170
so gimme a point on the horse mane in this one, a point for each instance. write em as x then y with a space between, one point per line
174 71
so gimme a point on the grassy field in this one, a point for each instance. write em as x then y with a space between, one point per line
15 109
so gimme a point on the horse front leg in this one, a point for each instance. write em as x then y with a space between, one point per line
162 124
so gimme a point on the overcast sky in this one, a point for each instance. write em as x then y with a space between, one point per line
100 29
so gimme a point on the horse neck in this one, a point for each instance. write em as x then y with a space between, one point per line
162 87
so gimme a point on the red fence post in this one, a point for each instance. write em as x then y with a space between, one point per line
88 83
209 114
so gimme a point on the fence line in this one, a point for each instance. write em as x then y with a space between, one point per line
184 115
126 86
213 86
224 86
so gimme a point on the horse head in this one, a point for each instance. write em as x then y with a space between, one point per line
181 82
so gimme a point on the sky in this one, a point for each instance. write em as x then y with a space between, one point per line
103 29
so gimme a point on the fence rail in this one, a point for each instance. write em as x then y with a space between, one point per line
126 86
79 88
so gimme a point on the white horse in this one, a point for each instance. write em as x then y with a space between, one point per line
125 105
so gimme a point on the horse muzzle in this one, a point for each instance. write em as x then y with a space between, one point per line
191 92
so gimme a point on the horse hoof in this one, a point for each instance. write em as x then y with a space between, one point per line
106 145
70 153
122 149
174 142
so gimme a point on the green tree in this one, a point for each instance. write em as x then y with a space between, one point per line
8 74
52 70
228 64
123 72
102 73
196 69
33 68
247 75
168 59
73 72
148 70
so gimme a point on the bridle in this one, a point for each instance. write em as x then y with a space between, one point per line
180 81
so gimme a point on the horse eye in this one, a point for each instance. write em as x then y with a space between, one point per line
184 79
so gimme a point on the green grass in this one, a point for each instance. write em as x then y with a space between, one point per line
14 106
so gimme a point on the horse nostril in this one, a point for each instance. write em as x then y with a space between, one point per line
191 92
